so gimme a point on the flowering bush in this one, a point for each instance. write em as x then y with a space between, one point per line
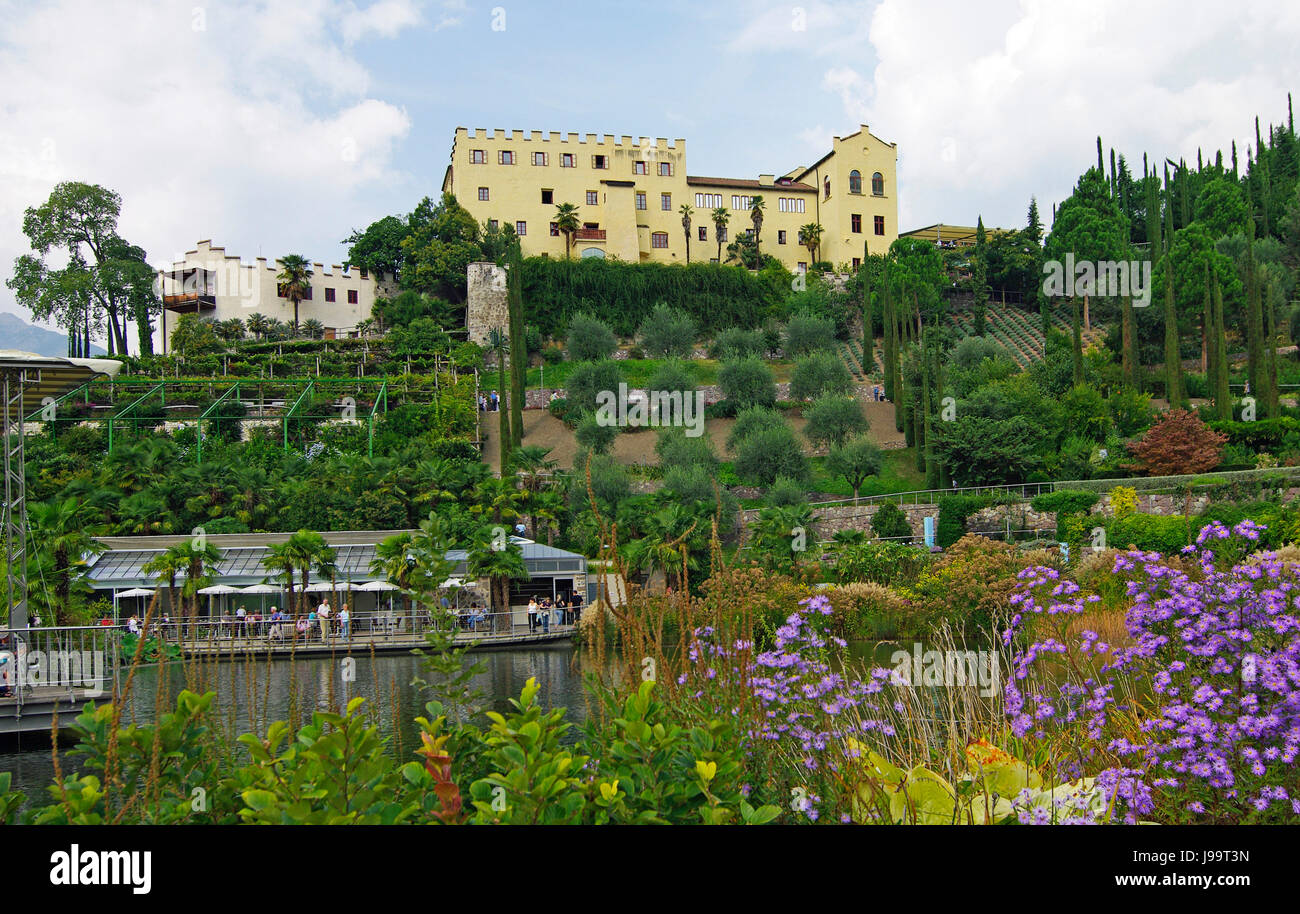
1198 720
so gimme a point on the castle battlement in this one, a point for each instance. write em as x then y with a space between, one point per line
554 136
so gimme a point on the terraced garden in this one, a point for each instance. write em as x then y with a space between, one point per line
1019 332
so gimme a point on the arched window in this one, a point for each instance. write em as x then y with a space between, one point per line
855 182
878 184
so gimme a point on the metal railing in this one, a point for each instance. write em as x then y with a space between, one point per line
256 630
57 663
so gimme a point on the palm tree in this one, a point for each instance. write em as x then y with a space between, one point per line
500 567
810 236
687 211
720 219
566 220
396 562
197 557
295 281
258 324
756 216
499 343
302 552
313 329
532 465
165 566
62 539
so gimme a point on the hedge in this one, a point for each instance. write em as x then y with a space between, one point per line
953 511
622 295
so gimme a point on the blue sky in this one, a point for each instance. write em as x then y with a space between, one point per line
276 128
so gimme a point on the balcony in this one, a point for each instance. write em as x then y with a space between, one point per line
589 234
189 302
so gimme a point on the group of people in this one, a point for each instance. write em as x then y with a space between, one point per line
317 625
564 611
490 403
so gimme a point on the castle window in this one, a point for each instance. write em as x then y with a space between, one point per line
880 225
704 233
638 168
640 200
780 236
857 223
329 294
666 202
593 198
352 296
478 156
548 196
521 228
483 193
878 184
539 158
855 182
828 188
506 157
566 160
599 162
659 240
555 229
665 169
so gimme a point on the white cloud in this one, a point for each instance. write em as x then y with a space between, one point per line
249 123
385 18
990 103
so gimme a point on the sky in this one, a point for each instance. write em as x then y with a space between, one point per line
280 127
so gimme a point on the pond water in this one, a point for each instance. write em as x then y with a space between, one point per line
251 695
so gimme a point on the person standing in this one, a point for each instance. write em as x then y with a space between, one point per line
345 622
532 614
323 617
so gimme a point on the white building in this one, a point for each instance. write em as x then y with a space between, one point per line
213 284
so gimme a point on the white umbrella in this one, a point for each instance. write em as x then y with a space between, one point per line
218 589
375 585
261 588
136 592
451 582
326 586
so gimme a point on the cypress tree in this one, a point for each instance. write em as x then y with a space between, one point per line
1101 166
868 319
1129 344
1222 395
981 275
518 343
1255 367
1076 336
1234 160
1173 359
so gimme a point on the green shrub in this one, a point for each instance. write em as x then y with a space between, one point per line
890 523
676 449
953 511
768 454
590 339
1149 532
1065 501
784 492
806 333
833 419
749 421
738 343
747 382
819 373
594 435
586 382
667 332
